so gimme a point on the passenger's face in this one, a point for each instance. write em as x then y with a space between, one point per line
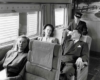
48 31
75 35
76 19
22 43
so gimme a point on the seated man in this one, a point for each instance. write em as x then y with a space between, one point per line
74 52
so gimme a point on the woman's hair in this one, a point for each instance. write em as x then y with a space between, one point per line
15 47
52 27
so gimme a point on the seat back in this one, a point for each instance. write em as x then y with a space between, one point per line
35 66
59 32
87 39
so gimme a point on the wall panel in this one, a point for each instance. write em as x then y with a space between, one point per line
39 1
18 7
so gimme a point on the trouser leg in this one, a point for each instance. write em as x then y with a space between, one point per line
67 72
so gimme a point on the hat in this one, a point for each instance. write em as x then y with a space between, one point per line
78 14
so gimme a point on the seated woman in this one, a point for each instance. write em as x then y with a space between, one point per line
75 52
48 34
15 59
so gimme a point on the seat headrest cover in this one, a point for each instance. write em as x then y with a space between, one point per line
87 39
42 54
30 45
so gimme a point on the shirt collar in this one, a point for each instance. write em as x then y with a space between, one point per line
75 41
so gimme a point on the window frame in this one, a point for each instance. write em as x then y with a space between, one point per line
20 8
38 24
62 6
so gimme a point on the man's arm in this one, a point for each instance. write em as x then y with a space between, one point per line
83 59
85 52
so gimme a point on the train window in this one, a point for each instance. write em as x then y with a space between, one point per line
32 23
59 17
9 25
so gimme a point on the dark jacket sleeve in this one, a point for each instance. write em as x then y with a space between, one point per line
85 53
20 76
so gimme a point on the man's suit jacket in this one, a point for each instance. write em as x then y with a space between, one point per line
73 51
81 27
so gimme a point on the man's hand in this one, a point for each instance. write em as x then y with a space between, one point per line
79 63
69 33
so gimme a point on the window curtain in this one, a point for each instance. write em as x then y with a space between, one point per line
69 12
47 14
52 14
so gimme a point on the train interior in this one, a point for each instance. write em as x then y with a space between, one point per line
18 17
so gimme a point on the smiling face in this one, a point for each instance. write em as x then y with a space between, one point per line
22 43
48 31
75 35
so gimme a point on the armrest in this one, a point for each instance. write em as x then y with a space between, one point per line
81 71
4 50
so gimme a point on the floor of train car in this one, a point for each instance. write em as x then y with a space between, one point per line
94 68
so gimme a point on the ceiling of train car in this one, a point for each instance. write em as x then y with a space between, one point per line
38 1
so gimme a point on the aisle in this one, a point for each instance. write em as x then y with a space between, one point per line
94 69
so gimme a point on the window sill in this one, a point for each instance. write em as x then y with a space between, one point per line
2 45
